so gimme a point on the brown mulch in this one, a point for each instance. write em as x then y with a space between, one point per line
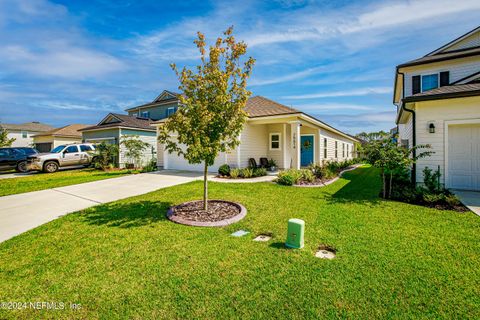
217 211
316 182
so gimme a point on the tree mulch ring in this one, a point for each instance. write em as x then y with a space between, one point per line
220 213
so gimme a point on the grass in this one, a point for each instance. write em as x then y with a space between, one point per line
42 181
125 260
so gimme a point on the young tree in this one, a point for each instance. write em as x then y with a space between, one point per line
4 140
214 94
135 148
106 155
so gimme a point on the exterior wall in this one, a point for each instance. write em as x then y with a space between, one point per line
254 143
332 137
277 155
91 136
469 42
405 131
19 140
440 112
156 112
458 68
146 136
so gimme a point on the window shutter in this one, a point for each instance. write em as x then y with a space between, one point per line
444 78
416 84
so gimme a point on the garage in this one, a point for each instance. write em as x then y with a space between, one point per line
464 157
43 147
175 162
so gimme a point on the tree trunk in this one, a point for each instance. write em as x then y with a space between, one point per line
390 186
205 188
384 187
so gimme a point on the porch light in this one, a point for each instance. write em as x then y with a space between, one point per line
431 128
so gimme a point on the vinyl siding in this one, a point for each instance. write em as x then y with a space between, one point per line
405 131
254 143
469 42
331 139
440 111
156 113
459 69
100 134
19 140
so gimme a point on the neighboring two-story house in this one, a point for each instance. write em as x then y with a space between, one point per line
23 133
438 103
138 122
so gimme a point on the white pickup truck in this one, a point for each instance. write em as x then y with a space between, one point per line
63 156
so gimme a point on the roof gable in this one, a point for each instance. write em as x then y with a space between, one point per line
34 126
165 95
110 118
469 40
123 121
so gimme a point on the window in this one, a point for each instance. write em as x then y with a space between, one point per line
274 141
24 134
336 149
4 153
325 148
343 150
85 148
348 150
429 82
71 149
404 143
145 114
170 111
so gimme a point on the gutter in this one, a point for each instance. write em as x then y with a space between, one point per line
414 135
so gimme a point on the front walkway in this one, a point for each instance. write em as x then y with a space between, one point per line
471 199
22 212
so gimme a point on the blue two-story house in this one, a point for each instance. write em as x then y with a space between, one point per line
137 122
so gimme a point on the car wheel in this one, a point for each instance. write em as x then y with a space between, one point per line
21 166
50 167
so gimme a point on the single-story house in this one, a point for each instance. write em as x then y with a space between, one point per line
23 133
292 138
114 127
438 103
46 141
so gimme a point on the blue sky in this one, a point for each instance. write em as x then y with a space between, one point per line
65 62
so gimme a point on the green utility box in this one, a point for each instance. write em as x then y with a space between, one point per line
295 236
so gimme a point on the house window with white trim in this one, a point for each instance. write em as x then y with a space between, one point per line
275 141
24 134
348 150
170 111
145 114
343 150
336 149
325 150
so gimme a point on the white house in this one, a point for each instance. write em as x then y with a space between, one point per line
274 131
438 103
24 132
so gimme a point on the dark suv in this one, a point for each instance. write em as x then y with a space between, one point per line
15 158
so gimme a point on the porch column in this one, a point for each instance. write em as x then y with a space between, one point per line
295 129
286 163
319 144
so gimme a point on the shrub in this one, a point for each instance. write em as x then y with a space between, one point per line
433 198
285 179
452 200
317 170
431 180
307 175
272 163
289 177
247 173
106 155
150 166
224 170
235 173
259 172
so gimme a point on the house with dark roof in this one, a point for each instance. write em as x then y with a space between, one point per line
48 140
291 137
438 103
115 126
23 133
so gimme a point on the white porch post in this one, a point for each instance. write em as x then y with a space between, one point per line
295 129
319 144
286 163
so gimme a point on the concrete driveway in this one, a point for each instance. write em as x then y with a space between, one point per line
471 199
22 212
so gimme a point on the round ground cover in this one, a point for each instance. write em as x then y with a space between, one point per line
220 213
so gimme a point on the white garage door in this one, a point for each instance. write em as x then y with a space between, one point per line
464 157
179 163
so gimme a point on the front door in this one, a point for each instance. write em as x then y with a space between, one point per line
306 150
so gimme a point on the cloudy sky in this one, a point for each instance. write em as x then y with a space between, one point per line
67 62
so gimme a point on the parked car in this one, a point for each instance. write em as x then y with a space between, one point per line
63 156
15 158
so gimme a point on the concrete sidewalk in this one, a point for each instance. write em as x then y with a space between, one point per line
22 212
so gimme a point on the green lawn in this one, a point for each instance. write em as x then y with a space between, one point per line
125 260
41 181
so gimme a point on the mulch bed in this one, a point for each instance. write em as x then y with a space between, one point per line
219 213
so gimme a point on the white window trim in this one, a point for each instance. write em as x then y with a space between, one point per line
142 114
428 74
279 141
26 134
170 113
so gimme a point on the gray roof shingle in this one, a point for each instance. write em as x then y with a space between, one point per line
124 121
28 126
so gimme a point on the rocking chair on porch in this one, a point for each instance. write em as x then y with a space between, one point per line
252 163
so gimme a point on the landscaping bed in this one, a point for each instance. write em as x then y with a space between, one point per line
219 213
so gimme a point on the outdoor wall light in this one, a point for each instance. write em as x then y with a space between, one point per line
431 128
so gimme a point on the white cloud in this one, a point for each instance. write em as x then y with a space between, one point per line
345 93
287 77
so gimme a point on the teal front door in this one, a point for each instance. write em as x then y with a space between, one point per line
306 150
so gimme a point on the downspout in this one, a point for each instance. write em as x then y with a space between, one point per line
414 135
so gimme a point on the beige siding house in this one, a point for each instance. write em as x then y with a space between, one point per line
46 141
438 103
274 131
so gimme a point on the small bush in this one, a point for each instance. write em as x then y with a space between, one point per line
235 173
272 163
150 166
307 175
317 170
452 200
224 170
285 180
259 172
247 173
433 198
431 180
289 177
